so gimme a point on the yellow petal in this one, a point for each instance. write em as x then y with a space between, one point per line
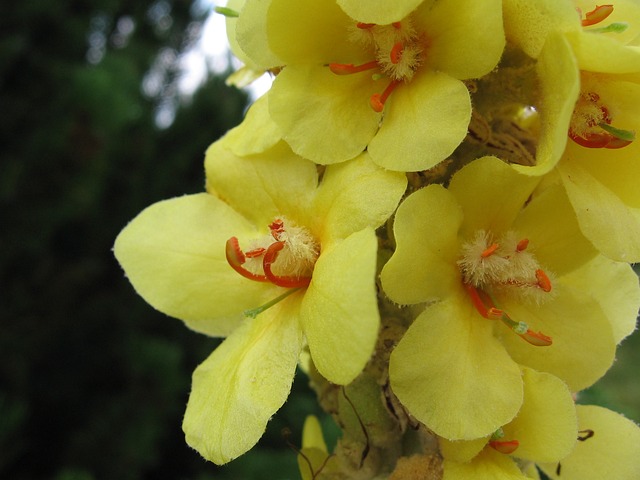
243 383
424 121
546 425
612 452
423 266
340 312
614 285
325 117
489 465
461 450
612 226
356 194
252 38
453 375
257 132
261 187
597 53
381 12
174 255
491 194
458 30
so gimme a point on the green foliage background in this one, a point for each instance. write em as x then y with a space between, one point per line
93 382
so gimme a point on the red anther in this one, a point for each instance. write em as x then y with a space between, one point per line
597 15
397 25
615 142
288 282
599 140
490 250
276 227
378 100
236 258
349 68
522 245
490 312
396 53
537 339
365 26
256 252
543 280
506 447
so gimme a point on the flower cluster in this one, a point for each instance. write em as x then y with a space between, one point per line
432 213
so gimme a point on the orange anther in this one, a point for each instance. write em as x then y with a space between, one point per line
396 53
281 281
490 250
543 280
537 339
397 25
597 15
480 301
235 258
349 68
506 447
256 252
365 26
378 100
522 245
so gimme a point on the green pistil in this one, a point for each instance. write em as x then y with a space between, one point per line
626 135
498 434
616 27
254 312
227 12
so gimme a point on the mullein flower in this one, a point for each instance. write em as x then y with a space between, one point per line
387 78
545 430
500 291
274 260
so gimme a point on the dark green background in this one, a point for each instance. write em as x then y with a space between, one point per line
93 381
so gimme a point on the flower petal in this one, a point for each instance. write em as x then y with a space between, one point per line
491 194
174 255
323 116
423 266
243 383
356 194
339 312
251 36
546 425
261 187
612 452
489 465
381 12
597 53
257 132
424 121
453 375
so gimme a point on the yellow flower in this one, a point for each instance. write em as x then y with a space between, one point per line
545 430
495 274
382 76
298 257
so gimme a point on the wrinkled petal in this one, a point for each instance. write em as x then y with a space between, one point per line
546 425
423 266
256 133
489 465
323 116
457 31
615 287
261 187
461 450
491 194
243 383
597 53
583 348
612 226
339 313
356 194
173 253
453 375
424 121
612 452
381 12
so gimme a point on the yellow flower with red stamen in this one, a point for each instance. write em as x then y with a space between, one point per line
504 285
274 259
379 76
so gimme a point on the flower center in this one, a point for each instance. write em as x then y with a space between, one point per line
397 51
590 125
503 266
284 257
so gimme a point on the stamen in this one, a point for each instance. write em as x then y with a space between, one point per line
396 53
624 137
365 26
543 280
282 281
256 252
397 25
522 245
597 15
490 312
237 258
490 250
537 339
350 68
378 100
254 312
615 27
505 446
276 227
